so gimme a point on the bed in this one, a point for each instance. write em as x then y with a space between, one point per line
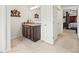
72 25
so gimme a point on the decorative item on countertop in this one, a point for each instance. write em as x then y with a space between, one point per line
15 13
36 15
28 21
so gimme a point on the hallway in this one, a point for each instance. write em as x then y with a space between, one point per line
66 43
24 45
68 40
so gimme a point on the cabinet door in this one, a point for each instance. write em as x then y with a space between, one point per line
26 31
23 30
32 30
36 31
29 32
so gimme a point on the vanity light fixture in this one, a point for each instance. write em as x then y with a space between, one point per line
34 7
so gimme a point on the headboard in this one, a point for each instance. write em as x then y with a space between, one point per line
72 19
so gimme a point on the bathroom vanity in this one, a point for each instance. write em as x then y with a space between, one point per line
31 31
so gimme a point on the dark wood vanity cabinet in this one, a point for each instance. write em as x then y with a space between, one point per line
31 32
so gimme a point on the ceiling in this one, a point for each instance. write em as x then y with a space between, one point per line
31 5
69 5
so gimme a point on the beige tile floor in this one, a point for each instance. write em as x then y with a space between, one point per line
68 40
66 43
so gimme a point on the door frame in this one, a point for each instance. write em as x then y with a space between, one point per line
58 10
78 22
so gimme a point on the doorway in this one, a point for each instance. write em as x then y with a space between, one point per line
68 38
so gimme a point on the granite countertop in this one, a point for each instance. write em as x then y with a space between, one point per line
32 24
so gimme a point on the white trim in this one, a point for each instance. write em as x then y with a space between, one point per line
78 23
8 29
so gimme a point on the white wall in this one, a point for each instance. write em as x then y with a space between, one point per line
70 11
70 7
3 37
47 24
16 22
35 11
67 8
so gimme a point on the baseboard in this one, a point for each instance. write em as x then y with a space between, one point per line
0 51
16 37
3 51
50 42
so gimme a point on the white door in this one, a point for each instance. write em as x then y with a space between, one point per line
78 23
57 21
